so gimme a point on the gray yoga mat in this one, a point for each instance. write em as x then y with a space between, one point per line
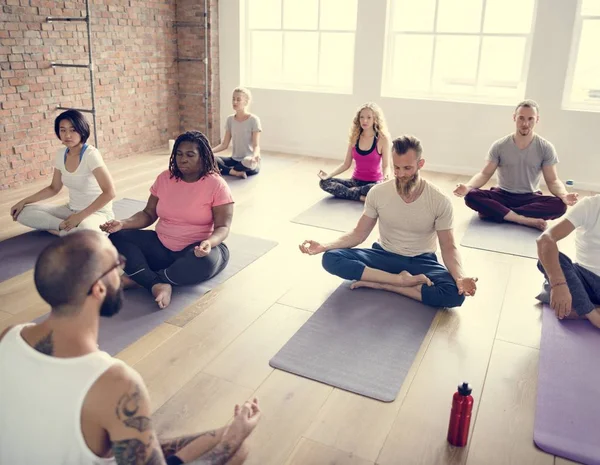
19 253
269 164
331 213
567 416
506 238
140 314
363 341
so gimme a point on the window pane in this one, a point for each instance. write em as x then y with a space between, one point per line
455 63
413 15
338 15
411 65
264 14
300 14
301 51
336 67
459 15
508 16
586 81
590 7
502 61
265 57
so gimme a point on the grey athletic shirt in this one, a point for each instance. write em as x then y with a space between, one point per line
241 135
519 171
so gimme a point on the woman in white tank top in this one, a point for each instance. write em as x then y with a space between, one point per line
81 168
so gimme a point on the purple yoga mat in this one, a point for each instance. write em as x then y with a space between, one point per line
19 253
567 417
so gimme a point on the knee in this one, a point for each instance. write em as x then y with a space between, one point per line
443 295
324 183
473 197
331 261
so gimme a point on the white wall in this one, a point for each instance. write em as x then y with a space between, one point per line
455 136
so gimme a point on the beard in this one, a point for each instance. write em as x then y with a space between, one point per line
112 302
406 186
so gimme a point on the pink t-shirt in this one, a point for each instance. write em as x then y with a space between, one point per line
184 209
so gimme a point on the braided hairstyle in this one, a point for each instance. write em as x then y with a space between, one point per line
206 154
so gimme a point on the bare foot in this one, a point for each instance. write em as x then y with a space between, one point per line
537 223
363 198
239 174
405 279
162 294
358 284
128 283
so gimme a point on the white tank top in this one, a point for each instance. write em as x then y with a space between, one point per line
40 404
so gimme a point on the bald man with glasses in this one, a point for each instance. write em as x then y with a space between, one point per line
65 401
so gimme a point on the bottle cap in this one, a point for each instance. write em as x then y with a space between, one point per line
464 389
569 182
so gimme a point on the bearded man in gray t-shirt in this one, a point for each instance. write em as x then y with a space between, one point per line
521 159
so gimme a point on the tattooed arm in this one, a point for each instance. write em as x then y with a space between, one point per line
128 424
134 441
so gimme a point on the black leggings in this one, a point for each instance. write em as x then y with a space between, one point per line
226 164
149 262
350 189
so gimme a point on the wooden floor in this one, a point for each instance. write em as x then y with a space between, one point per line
215 353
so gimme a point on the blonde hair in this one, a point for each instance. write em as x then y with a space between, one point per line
244 91
379 124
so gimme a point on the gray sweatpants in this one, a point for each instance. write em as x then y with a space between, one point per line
49 217
583 285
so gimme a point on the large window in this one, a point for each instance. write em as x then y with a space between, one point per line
474 50
300 44
583 82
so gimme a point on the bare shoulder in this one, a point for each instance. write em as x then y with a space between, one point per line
111 386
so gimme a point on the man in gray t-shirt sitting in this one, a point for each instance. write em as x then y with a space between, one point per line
521 159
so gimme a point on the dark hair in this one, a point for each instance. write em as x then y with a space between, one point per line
209 165
528 104
78 121
403 144
66 268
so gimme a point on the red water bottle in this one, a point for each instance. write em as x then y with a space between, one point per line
460 416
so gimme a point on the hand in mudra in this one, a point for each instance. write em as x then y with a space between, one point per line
461 190
311 247
111 226
323 175
203 249
467 286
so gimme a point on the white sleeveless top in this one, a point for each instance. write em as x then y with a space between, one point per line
40 404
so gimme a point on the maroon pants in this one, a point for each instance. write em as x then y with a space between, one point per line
495 204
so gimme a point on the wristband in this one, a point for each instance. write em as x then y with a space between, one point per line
562 283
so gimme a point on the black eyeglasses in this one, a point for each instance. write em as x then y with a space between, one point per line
121 261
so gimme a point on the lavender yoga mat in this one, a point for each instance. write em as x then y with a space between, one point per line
18 254
363 341
567 417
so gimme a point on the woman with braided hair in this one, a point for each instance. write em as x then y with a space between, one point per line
194 208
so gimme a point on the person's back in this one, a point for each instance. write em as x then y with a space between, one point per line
63 401
41 400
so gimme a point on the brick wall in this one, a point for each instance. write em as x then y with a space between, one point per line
137 78
191 37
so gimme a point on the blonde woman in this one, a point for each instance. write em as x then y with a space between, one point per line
369 146
243 128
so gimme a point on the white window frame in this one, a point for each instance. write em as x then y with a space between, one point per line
567 103
387 89
246 34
